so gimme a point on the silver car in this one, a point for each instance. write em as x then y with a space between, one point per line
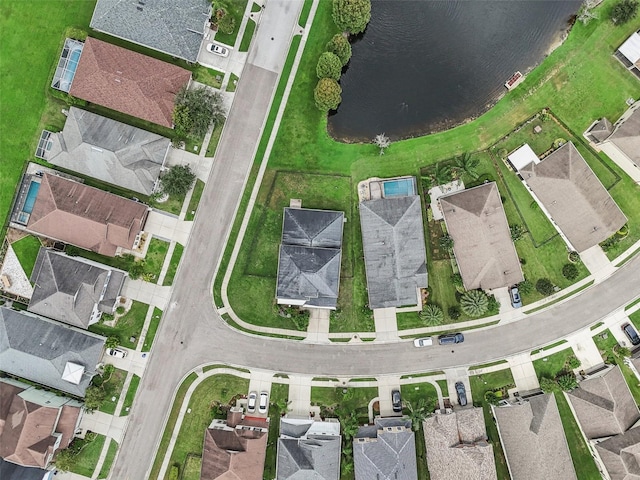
217 49
251 402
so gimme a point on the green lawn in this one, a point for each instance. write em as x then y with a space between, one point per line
26 250
108 461
153 328
414 392
233 82
127 326
279 392
173 265
236 9
131 393
87 459
112 388
355 400
192 468
195 200
635 319
154 258
247 36
208 76
211 148
552 365
216 388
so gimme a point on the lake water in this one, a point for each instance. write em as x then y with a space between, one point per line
425 66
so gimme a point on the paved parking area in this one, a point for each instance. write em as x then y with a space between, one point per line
385 385
386 324
260 381
300 395
167 227
454 376
523 372
586 350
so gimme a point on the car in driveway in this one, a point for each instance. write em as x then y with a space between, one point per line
116 352
251 402
631 333
423 342
462 394
516 301
218 49
396 400
450 338
264 402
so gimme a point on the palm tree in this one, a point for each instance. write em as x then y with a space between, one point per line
441 174
432 315
474 303
468 165
419 412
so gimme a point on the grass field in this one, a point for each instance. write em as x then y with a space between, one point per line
195 200
87 459
128 326
26 249
552 365
108 461
131 393
173 265
112 388
153 328
236 9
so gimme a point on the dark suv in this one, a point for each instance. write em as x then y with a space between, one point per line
450 338
462 394
631 333
396 400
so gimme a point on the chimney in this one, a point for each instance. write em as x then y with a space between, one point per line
234 417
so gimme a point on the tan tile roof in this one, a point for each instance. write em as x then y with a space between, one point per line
85 216
574 196
482 242
128 82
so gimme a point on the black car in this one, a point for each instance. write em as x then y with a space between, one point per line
631 333
462 394
396 400
450 338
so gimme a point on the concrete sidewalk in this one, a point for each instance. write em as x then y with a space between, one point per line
524 375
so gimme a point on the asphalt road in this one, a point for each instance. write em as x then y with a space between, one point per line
192 333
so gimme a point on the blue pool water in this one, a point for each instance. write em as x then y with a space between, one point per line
398 188
31 197
70 72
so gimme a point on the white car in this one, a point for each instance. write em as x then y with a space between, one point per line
116 352
217 49
251 403
423 342
264 401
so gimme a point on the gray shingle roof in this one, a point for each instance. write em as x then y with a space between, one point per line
627 137
310 256
621 455
313 458
600 130
575 198
386 453
71 290
482 242
533 440
394 250
38 349
457 446
604 405
110 151
12 471
175 27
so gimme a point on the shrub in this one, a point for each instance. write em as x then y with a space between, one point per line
570 271
474 303
432 315
574 257
178 180
456 279
94 396
548 385
454 312
340 46
573 362
525 287
329 66
120 310
136 270
112 342
494 304
623 11
544 286
567 382
174 472
502 153
446 242
227 24
327 94
491 398
517 231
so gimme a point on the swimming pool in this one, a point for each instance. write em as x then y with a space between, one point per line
400 187
67 65
31 197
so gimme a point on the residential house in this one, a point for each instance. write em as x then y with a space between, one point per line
73 290
629 53
235 448
457 446
35 424
175 29
533 439
47 352
128 82
482 244
110 151
394 250
308 449
566 187
13 471
620 455
86 217
310 255
385 450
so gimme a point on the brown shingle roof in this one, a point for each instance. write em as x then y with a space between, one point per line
128 82
85 216
575 198
482 241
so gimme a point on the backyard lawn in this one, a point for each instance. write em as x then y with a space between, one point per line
128 326
26 249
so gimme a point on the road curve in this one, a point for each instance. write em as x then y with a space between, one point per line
192 333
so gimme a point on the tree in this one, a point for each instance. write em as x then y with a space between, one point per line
93 398
112 342
432 315
623 11
329 66
548 385
446 242
544 286
227 24
177 181
195 110
327 94
517 231
567 382
382 141
570 271
474 303
352 15
468 165
586 13
419 412
339 45
441 174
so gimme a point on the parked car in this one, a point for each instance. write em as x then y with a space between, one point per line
450 338
423 342
218 49
516 301
251 402
396 400
631 333
116 352
264 402
462 394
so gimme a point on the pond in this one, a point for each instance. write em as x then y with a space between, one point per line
426 66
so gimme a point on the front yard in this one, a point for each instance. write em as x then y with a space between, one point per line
127 327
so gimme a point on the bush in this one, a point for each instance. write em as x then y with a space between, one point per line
112 342
120 310
432 315
548 385
94 396
227 24
174 472
327 94
573 362
570 271
177 181
624 11
446 242
517 231
329 66
474 303
544 286
525 287
567 382
352 15
494 304
340 46
491 398
456 279
136 270
454 312
574 257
